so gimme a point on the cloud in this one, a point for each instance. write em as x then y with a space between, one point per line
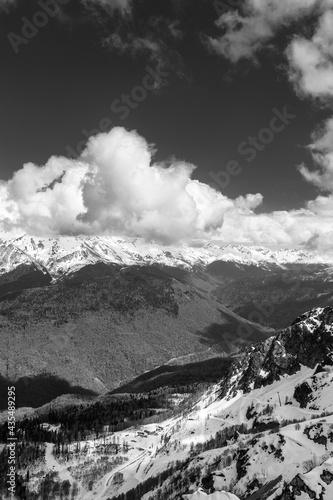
311 70
124 6
280 229
322 177
5 5
323 140
39 209
322 151
246 31
136 46
311 62
157 45
115 188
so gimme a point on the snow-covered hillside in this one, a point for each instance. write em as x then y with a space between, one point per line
264 432
62 255
282 430
217 495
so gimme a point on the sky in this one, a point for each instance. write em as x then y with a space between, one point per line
170 120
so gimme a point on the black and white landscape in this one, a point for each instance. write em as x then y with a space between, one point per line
166 260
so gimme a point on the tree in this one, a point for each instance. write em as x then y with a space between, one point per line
65 487
118 478
75 490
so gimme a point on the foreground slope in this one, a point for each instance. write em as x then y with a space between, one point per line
265 431
273 417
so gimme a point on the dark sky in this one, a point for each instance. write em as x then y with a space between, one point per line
66 77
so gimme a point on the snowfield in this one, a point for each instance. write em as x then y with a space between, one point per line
285 452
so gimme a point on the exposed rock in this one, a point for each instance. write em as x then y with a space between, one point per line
308 342
295 488
326 476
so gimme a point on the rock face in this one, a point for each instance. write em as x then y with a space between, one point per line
295 489
326 476
308 342
315 487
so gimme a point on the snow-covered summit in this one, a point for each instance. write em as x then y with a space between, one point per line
65 254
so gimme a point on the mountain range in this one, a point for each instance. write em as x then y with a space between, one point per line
62 255
97 312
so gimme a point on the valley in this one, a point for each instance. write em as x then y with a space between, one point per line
167 377
97 312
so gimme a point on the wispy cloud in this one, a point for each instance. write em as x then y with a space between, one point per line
5 5
154 40
123 6
129 44
246 30
311 62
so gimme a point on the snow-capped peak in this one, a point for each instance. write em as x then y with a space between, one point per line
65 254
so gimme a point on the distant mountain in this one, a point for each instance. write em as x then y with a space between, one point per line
62 255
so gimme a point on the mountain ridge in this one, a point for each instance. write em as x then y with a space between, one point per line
61 255
307 342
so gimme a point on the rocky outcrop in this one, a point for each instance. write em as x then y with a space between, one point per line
326 476
295 488
308 342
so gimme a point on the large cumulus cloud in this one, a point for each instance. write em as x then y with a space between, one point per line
114 188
